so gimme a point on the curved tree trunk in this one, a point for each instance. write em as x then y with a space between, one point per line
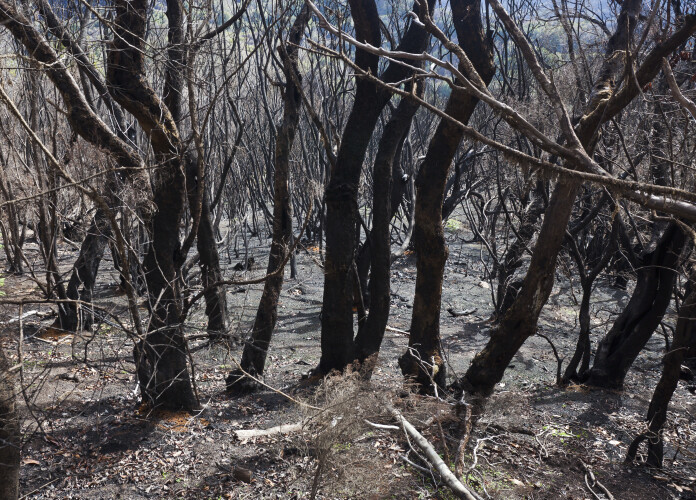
520 321
635 325
377 245
684 340
256 348
423 362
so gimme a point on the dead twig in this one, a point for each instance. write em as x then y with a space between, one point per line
559 360
591 481
438 464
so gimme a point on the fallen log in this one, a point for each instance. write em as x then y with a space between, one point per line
279 429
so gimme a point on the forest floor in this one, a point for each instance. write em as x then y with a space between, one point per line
85 436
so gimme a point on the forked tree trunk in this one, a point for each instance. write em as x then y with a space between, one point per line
9 433
423 361
341 197
161 358
92 249
377 246
341 200
642 315
256 348
684 340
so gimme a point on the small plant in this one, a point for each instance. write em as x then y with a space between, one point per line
453 225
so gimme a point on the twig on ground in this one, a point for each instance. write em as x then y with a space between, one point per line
438 464
384 427
594 482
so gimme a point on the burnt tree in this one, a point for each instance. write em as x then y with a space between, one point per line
423 362
256 348
337 343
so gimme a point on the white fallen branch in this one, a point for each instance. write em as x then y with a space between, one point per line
25 315
438 464
384 427
397 330
279 429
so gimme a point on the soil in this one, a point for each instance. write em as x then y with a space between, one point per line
86 436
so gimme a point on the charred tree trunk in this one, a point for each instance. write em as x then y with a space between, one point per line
12 239
633 328
209 259
199 203
85 269
684 340
256 348
161 358
73 315
337 344
398 183
341 200
508 287
9 433
377 246
520 321
423 362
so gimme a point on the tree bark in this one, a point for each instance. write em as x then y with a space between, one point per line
423 362
633 328
520 321
337 344
256 348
